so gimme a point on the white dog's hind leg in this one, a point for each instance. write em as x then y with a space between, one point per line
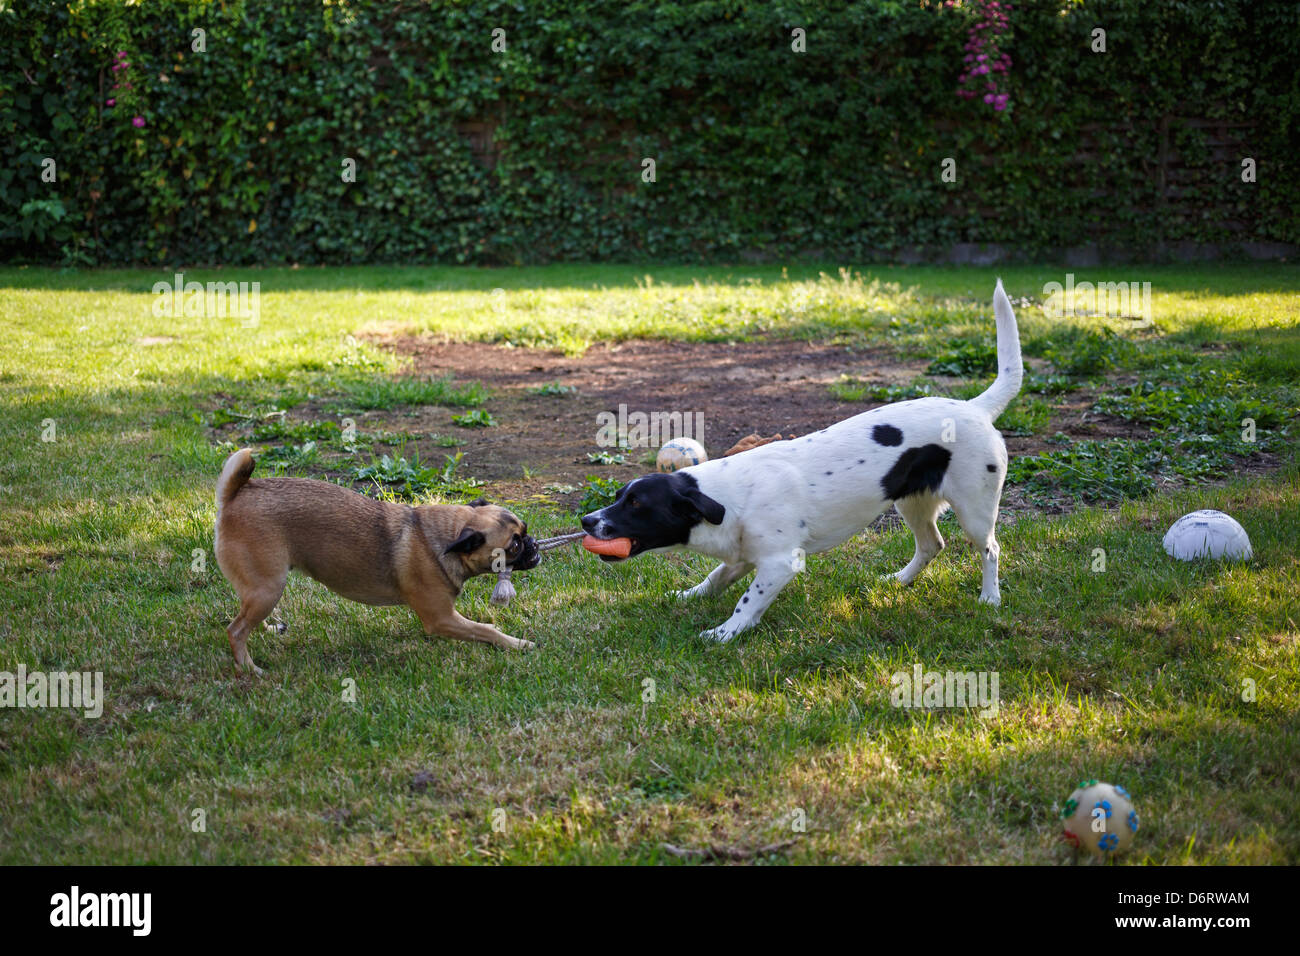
719 579
771 577
920 512
978 522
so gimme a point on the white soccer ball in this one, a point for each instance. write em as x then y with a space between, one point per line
680 453
1099 817
1207 534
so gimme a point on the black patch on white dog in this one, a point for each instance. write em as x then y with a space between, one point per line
991 467
886 435
917 470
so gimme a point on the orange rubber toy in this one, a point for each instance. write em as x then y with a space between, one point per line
614 547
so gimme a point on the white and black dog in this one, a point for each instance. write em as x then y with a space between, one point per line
764 509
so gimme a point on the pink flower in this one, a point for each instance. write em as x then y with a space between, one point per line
110 102
138 122
983 56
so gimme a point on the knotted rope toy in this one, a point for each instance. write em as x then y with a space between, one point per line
504 592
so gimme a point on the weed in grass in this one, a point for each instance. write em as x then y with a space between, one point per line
1198 414
553 388
966 358
220 416
386 437
966 391
1048 384
598 493
282 430
1090 353
386 393
478 418
606 458
1204 401
850 389
358 356
411 478
1025 416
246 416
1117 468
284 458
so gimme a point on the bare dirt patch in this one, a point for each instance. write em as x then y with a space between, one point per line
737 388
540 445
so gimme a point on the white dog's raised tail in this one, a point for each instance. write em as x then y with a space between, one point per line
1006 386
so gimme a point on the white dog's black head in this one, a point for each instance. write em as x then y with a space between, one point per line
655 511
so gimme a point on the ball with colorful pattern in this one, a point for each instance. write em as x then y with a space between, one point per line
1100 818
680 453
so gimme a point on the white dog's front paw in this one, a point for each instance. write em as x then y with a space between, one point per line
722 634
994 599
682 595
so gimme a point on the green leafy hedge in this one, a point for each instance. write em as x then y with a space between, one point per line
464 154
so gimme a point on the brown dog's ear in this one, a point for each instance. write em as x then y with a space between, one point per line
469 541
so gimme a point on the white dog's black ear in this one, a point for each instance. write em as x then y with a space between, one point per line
706 507
468 542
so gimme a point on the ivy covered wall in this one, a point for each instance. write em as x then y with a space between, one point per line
183 132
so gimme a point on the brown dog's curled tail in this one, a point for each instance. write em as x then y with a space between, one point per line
237 470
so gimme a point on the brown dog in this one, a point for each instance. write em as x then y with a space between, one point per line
374 552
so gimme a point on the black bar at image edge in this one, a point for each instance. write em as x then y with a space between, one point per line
333 904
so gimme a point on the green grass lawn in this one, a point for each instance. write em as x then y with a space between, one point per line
454 752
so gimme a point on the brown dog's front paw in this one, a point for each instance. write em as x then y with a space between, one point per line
516 644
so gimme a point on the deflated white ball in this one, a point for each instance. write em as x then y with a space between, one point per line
1207 534
1099 817
680 453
